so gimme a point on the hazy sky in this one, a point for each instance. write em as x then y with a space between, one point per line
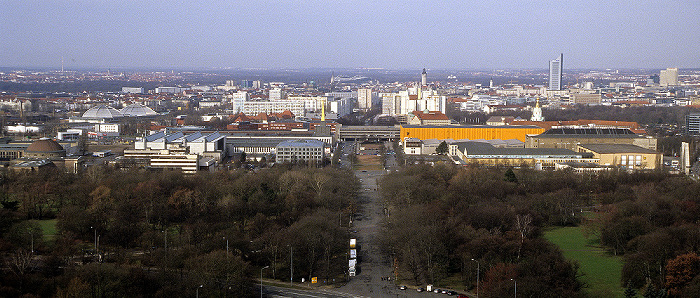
338 33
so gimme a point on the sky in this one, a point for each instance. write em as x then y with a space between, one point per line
515 34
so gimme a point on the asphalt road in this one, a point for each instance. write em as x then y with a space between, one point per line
373 265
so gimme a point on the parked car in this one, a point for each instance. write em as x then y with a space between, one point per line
402 287
419 289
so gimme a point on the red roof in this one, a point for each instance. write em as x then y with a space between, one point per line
432 115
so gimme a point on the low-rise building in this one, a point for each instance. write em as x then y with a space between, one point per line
623 155
570 138
300 150
486 154
428 118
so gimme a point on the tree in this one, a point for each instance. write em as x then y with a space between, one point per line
442 148
510 176
629 291
680 271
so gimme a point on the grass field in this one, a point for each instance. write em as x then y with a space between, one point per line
369 162
601 270
48 227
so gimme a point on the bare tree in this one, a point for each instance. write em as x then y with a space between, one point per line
522 224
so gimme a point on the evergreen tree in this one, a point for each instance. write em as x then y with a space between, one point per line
629 291
510 176
442 148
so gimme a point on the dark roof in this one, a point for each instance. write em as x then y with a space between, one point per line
617 148
486 150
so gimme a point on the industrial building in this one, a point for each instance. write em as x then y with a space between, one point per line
487 155
470 132
625 156
570 138
178 151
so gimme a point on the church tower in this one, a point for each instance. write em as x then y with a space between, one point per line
424 78
537 112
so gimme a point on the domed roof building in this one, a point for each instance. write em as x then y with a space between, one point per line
103 112
45 148
137 110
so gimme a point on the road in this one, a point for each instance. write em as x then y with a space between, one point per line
373 265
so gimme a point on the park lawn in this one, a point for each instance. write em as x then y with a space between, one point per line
369 162
602 272
48 227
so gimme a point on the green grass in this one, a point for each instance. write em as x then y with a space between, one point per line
601 270
48 227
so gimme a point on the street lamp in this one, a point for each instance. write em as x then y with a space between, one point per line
516 288
226 246
31 234
261 270
95 238
477 277
197 295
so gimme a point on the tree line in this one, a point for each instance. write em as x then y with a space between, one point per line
140 233
447 220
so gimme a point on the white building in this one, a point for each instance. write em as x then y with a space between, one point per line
188 153
277 94
668 77
170 89
364 99
342 106
107 129
135 90
413 99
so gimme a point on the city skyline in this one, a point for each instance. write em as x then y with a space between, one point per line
447 35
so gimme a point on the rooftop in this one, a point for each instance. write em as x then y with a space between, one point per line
617 148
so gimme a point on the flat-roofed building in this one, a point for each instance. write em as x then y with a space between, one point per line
692 124
623 155
186 152
470 132
569 138
486 154
586 99
300 150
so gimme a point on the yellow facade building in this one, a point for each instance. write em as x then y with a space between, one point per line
623 155
471 132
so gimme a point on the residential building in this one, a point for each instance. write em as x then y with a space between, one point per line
668 77
413 99
277 94
692 124
135 90
428 118
364 99
586 99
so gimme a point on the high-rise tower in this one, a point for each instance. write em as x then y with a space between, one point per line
555 72
424 78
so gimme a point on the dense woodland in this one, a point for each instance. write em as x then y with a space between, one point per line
442 217
164 234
